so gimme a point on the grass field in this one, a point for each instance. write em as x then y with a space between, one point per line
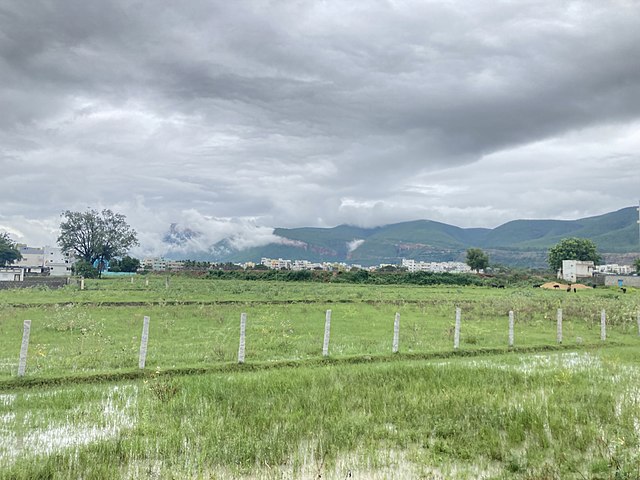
84 409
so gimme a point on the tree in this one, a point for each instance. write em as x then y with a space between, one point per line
636 265
8 251
85 269
477 259
573 248
95 236
129 264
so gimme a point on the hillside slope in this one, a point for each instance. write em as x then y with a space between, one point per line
519 242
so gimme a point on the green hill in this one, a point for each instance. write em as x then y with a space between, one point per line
520 242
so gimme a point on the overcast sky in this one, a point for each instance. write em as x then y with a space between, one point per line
233 117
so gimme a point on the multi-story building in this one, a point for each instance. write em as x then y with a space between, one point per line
32 259
47 260
438 267
274 264
57 262
160 264
614 268
174 265
156 264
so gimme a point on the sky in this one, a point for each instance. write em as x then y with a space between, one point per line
231 118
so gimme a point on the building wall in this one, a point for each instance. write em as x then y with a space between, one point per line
30 282
32 259
573 270
58 263
45 260
627 280
11 274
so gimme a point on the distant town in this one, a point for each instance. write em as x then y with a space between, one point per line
52 261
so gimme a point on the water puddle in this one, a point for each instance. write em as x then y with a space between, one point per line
32 433
573 361
388 464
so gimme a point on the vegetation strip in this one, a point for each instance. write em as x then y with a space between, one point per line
33 382
160 303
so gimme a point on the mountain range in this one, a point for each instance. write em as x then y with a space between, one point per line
516 243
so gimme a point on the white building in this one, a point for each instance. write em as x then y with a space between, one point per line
32 259
614 268
157 264
45 260
11 274
160 264
278 264
438 267
573 270
58 263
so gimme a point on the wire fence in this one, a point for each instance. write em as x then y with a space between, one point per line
353 337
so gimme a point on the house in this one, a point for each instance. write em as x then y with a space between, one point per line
32 259
160 264
57 262
615 269
11 274
576 270
47 260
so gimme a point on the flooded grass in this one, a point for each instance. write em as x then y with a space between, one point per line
48 422
555 415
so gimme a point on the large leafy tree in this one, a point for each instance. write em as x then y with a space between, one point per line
572 249
126 264
96 236
8 251
636 264
477 259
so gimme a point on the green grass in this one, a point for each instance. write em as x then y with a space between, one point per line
84 410
71 335
194 290
551 415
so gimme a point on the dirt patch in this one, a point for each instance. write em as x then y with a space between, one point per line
563 286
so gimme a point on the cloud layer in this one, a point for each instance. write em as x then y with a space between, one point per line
308 113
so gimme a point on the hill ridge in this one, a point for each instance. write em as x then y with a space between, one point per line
522 242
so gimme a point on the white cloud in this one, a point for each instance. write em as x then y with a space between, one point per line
237 117
354 244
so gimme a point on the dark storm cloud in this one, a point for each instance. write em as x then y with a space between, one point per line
309 112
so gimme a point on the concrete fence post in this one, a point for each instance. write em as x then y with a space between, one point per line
511 321
327 332
456 333
144 339
396 333
603 325
22 366
559 326
243 327
81 283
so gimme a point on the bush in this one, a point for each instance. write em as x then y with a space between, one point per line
85 269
